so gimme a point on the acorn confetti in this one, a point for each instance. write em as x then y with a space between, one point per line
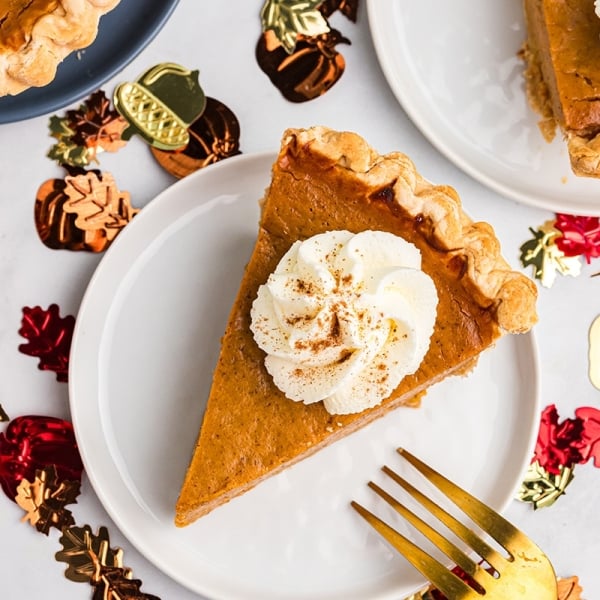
161 105
167 108
40 465
213 136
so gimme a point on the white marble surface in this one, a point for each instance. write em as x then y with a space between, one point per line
219 39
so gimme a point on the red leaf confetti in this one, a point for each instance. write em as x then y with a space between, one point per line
557 443
590 438
49 338
580 235
31 443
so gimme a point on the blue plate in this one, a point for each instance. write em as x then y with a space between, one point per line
123 34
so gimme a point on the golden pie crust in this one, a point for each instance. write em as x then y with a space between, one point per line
562 55
36 35
326 180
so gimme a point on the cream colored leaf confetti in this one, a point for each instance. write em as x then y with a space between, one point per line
546 257
594 353
98 203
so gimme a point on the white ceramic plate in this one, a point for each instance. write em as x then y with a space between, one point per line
454 68
145 344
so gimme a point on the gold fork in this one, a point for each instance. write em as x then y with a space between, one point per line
524 573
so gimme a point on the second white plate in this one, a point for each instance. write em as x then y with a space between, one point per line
146 341
454 68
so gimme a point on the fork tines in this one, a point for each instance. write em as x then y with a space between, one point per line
524 567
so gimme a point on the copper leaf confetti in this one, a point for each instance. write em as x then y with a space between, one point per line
113 583
85 553
44 500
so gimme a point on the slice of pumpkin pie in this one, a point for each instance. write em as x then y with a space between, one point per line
367 285
562 76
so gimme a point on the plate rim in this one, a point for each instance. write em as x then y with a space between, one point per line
107 499
377 11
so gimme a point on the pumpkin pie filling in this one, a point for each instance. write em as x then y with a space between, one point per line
562 53
326 181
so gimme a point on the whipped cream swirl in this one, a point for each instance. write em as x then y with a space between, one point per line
344 318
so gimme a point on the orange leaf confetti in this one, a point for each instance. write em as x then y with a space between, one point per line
45 498
569 589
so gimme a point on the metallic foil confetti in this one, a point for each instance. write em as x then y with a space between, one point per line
33 442
594 353
310 71
116 584
44 500
542 488
348 8
57 228
580 236
589 444
3 416
558 443
289 19
85 553
215 135
66 151
84 132
97 125
49 338
569 588
161 105
545 256
90 559
98 204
